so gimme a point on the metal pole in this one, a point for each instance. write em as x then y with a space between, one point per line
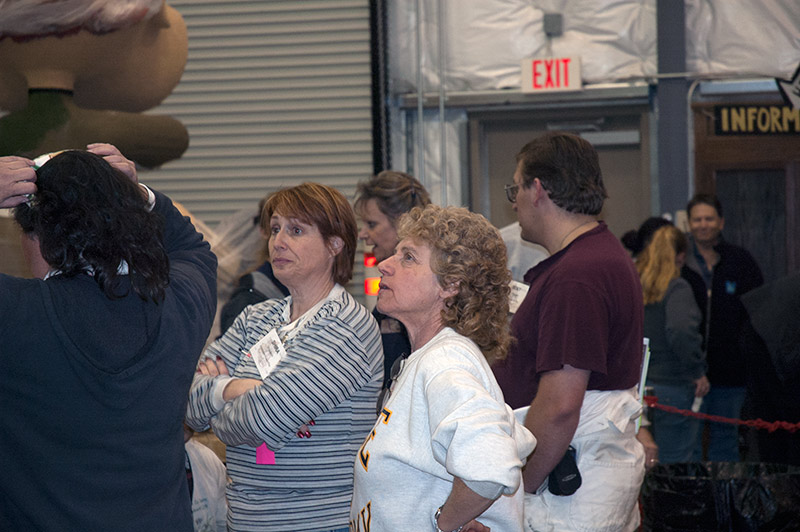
420 95
442 124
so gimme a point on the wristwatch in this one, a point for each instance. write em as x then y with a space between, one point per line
436 521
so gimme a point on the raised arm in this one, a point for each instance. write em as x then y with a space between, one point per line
192 265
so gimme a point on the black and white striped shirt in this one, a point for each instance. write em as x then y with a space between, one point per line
331 373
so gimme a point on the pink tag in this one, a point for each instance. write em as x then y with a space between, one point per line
264 456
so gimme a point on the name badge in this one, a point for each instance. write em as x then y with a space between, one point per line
267 352
518 293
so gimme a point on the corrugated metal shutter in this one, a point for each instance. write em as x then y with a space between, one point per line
274 93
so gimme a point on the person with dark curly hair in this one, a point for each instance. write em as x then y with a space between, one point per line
446 452
98 353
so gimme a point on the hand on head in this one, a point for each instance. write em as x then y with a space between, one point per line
113 157
17 178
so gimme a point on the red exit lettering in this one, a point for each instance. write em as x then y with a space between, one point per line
550 73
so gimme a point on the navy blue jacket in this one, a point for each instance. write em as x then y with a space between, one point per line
724 316
94 393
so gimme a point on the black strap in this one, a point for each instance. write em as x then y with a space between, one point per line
189 479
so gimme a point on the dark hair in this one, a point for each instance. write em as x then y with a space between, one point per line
395 192
569 170
88 215
705 199
325 208
467 251
637 240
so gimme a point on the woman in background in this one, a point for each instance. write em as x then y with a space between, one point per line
380 201
315 355
446 451
672 323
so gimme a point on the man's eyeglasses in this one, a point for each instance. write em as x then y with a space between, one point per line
511 192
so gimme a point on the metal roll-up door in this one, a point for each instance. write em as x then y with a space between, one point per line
274 93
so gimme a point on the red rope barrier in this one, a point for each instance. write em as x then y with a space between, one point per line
652 402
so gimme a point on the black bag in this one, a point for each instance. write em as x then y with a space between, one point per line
736 496
565 479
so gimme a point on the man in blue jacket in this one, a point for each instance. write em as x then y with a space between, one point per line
729 271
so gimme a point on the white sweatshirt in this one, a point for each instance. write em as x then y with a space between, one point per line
445 418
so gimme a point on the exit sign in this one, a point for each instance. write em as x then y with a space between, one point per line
548 74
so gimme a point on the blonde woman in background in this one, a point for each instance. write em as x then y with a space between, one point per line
672 323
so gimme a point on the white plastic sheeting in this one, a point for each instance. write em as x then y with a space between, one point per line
484 40
743 37
34 18
447 191
483 44
404 154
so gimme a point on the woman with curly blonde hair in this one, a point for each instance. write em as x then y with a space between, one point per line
672 323
448 284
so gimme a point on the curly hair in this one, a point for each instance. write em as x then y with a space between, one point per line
656 263
468 252
396 193
569 169
89 216
328 210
